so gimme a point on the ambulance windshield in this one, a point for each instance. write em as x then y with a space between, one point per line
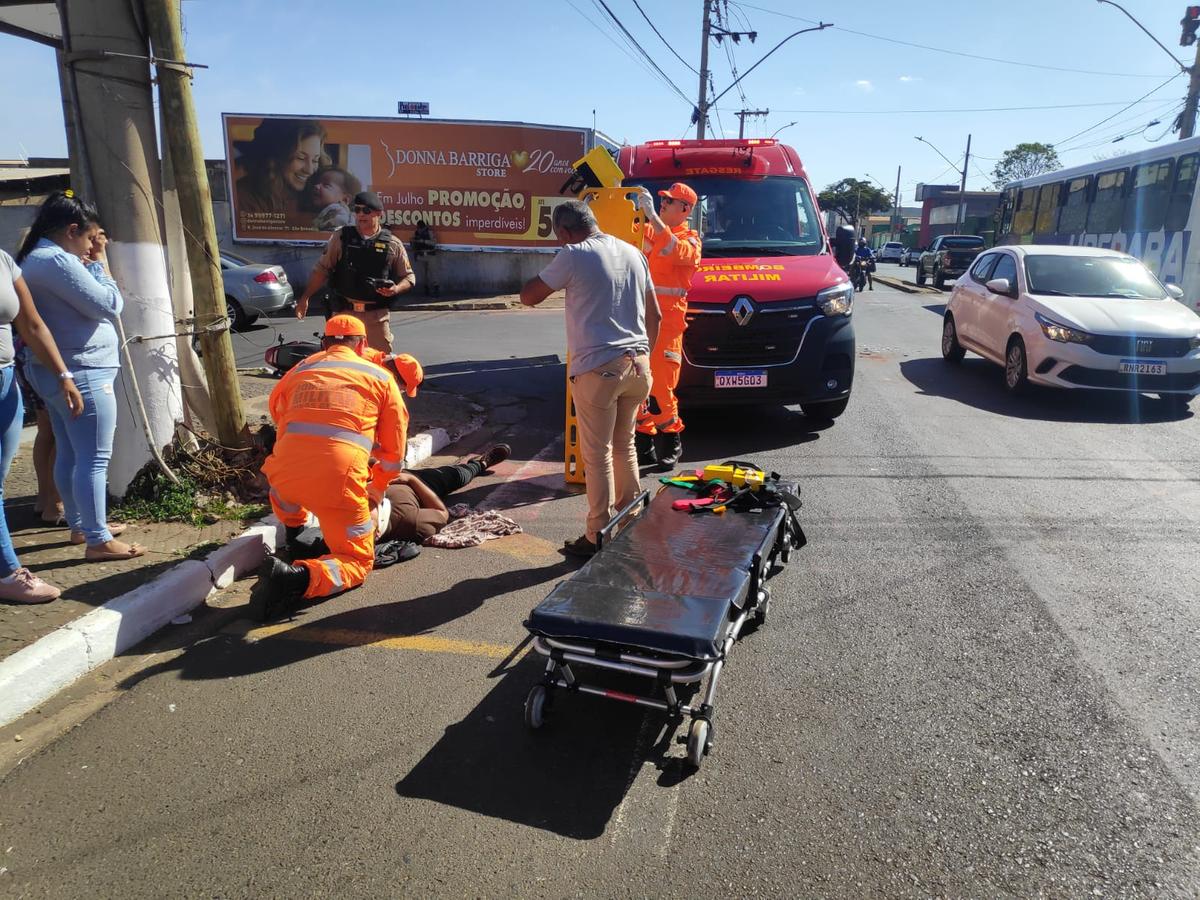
753 216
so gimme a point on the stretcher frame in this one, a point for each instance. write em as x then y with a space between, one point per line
667 671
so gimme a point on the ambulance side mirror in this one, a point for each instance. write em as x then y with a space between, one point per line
843 245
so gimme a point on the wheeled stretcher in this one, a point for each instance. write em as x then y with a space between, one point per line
666 599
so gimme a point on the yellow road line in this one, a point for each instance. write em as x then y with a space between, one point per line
346 637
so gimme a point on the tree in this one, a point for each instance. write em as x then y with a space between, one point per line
854 199
1025 161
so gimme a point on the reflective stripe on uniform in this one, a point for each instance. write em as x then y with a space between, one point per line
694 241
670 291
359 530
392 466
319 429
671 354
669 246
364 367
283 504
335 573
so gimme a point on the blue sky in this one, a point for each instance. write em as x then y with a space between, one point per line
857 100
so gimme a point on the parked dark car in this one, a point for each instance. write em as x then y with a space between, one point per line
909 256
948 257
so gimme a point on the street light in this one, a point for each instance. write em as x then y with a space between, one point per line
962 185
781 127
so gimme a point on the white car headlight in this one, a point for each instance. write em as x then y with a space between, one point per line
837 300
1064 334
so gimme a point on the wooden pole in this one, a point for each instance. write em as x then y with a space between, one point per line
182 137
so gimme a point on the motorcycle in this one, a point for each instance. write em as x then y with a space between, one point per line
285 355
858 274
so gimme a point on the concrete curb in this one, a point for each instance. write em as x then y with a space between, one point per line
907 286
36 673
457 305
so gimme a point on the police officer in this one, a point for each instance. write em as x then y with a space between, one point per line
365 266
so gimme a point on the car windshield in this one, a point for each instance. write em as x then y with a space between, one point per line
753 216
234 260
960 242
1092 276
894 246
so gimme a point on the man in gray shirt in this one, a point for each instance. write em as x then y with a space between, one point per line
612 321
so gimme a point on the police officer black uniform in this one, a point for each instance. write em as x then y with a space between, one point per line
365 266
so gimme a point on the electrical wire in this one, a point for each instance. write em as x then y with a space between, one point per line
1125 126
885 112
666 43
633 41
612 40
995 59
1118 112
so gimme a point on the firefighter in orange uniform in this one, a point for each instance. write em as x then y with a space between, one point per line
673 251
409 374
339 421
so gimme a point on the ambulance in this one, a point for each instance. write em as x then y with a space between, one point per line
769 309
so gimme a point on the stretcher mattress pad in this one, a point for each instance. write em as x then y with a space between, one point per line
667 583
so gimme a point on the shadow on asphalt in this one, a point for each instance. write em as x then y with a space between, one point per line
978 383
741 432
568 777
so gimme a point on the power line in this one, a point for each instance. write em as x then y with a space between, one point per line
1126 127
632 40
995 59
663 39
1118 112
885 112
612 40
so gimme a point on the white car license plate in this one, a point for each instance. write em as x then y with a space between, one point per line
1142 367
742 378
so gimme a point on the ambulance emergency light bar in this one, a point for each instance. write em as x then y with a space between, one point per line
732 142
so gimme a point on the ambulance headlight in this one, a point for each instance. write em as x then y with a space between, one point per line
836 300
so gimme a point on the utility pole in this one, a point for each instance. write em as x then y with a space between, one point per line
182 138
961 215
702 103
1187 118
105 59
897 216
743 113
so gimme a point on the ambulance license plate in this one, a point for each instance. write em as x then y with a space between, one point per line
1142 367
741 378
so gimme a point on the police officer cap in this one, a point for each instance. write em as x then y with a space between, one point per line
369 199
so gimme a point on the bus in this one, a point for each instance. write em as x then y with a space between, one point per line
1143 203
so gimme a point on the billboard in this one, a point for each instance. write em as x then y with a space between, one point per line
478 184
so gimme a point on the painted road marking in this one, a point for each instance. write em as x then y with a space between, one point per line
348 637
523 496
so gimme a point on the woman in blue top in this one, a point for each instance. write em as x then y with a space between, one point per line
79 305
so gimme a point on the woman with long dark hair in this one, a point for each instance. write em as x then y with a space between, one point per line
283 155
79 305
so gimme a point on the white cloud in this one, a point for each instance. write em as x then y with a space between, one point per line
863 85
908 78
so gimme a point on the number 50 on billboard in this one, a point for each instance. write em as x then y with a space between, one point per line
477 184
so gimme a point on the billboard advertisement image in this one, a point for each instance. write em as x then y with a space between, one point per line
478 184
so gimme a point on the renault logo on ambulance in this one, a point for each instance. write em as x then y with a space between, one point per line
743 310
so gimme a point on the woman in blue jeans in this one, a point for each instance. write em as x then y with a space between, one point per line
18 584
79 305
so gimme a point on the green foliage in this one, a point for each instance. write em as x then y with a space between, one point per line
1025 161
854 199
152 498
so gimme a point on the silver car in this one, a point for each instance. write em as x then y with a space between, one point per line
253 289
890 252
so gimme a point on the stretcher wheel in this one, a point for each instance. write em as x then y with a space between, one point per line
785 552
535 707
760 614
698 743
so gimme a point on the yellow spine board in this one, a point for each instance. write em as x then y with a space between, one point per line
616 213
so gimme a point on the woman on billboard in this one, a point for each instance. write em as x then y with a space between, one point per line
279 161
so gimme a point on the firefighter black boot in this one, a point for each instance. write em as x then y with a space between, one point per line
644 444
280 587
305 542
669 448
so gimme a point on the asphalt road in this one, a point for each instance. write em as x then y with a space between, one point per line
979 679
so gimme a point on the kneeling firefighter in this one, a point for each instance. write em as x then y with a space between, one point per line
673 251
365 266
338 446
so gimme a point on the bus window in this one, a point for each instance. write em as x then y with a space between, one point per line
1047 210
1180 204
1023 220
1108 203
1005 211
1148 196
1075 207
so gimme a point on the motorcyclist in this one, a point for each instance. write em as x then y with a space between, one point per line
864 257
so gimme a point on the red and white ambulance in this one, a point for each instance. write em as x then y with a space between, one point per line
769 310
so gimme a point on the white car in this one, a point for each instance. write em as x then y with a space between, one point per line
890 252
1075 317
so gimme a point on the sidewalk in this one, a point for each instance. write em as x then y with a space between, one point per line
420 302
108 607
